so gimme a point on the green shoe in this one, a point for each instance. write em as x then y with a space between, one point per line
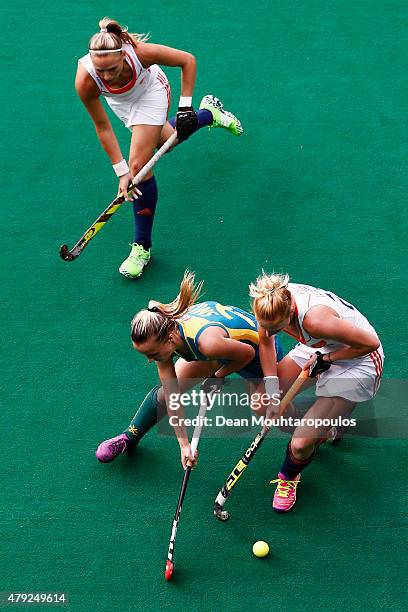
133 266
221 117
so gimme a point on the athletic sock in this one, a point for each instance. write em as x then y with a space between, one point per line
204 117
291 467
150 412
143 210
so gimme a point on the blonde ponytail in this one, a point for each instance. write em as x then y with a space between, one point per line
270 297
158 320
189 294
111 36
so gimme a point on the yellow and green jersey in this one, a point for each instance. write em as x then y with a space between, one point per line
238 325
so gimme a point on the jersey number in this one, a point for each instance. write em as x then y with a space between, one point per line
333 297
223 310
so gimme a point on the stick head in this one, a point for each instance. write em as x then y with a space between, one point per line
65 253
168 572
222 515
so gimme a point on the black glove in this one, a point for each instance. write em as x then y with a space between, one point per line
212 385
186 122
319 365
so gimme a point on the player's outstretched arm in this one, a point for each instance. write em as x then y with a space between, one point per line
168 378
89 95
269 365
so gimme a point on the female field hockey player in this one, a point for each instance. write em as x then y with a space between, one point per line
208 338
123 68
335 342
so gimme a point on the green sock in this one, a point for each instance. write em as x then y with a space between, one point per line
150 412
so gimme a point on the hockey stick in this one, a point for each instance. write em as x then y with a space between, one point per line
194 444
223 515
71 254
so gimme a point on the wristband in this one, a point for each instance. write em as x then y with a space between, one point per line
185 101
271 386
121 168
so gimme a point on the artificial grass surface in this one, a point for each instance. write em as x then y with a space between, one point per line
315 187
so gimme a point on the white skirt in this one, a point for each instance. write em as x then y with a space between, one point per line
150 107
356 380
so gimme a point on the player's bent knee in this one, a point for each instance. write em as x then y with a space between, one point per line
135 167
301 445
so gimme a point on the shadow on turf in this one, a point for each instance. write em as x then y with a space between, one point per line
137 462
150 462
333 479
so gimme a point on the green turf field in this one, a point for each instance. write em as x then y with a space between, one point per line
315 187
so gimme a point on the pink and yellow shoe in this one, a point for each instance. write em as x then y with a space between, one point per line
109 449
285 494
